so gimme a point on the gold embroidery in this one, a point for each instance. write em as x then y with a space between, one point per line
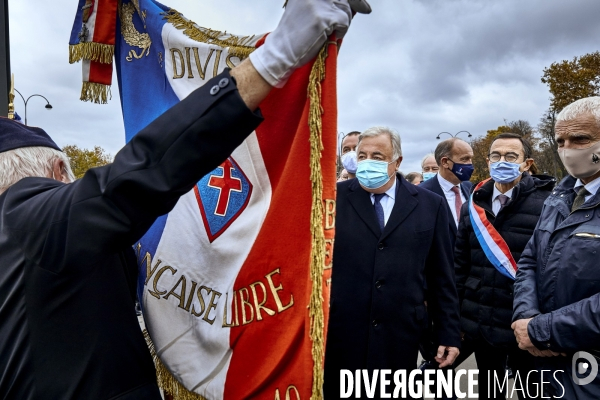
237 46
318 252
130 34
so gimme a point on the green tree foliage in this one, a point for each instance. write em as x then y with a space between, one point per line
573 80
84 159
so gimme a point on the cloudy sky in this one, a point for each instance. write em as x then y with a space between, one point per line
419 66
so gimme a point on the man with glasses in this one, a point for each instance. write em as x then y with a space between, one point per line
495 226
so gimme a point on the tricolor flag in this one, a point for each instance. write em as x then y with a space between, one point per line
234 282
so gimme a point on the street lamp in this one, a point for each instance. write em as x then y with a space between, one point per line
455 135
47 106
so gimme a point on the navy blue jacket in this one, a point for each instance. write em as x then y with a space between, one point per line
434 185
558 283
68 328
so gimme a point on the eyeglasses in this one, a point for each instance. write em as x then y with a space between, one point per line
509 157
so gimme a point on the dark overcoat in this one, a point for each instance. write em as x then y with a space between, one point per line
486 295
377 294
68 328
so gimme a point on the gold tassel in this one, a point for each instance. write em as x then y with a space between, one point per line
166 381
315 308
96 92
236 45
91 51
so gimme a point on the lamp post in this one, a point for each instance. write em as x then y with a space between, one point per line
47 106
451 135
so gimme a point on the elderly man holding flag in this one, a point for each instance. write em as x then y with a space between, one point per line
69 329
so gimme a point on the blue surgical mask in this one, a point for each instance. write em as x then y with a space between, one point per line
504 171
428 175
462 171
373 174
349 161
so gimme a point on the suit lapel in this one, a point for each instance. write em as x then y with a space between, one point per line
361 202
404 204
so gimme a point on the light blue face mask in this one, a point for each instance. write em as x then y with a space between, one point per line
504 171
373 174
428 175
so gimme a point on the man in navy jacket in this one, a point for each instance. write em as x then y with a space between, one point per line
557 289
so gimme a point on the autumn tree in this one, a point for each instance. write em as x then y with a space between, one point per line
572 80
84 159
549 160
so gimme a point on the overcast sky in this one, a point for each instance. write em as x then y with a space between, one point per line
419 66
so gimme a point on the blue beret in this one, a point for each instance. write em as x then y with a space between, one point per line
14 135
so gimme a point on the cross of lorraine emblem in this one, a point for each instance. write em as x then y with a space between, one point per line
222 196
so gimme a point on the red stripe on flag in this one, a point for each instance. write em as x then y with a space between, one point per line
106 22
275 353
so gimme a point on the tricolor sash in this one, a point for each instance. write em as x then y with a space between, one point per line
493 245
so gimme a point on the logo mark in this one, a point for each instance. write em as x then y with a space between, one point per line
580 368
222 196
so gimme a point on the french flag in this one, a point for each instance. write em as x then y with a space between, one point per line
234 282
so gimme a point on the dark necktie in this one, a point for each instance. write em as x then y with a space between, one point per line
457 201
580 199
503 199
379 210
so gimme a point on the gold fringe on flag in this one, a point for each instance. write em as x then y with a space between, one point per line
317 255
96 92
91 51
236 45
166 381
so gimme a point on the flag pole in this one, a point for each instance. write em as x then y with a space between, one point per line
5 76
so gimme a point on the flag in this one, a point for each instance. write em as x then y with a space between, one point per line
234 282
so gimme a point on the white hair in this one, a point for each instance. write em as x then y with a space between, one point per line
30 161
383 130
425 158
588 105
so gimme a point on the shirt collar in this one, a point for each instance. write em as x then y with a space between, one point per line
591 187
445 184
498 193
391 191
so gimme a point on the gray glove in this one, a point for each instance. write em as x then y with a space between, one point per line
302 31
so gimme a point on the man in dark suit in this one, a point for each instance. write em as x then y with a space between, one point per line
452 155
68 327
391 238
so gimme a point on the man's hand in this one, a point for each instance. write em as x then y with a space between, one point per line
446 355
520 329
302 31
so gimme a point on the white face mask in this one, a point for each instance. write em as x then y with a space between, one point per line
350 162
581 163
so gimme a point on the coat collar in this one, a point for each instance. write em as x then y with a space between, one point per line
405 203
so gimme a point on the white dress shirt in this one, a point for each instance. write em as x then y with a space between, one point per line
591 187
447 188
496 201
387 202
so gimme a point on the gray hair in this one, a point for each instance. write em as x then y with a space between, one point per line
425 158
30 161
588 105
444 149
382 130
